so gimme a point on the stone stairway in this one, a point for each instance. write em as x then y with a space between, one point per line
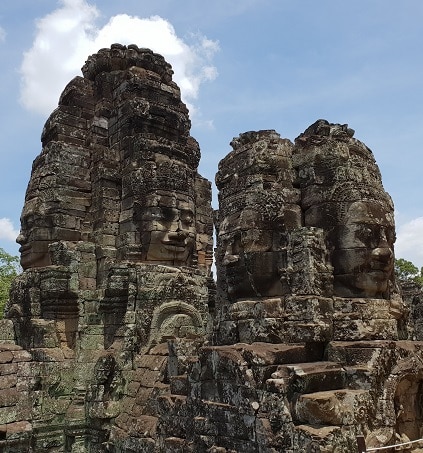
363 361
278 395
325 416
321 407
310 377
233 410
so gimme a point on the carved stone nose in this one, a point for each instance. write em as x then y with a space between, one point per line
20 239
382 252
383 255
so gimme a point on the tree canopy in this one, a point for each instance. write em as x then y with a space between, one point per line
9 269
407 271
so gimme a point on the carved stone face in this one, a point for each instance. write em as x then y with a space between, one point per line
363 258
34 237
168 229
250 255
44 222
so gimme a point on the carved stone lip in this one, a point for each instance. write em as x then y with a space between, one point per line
25 249
381 267
377 274
171 245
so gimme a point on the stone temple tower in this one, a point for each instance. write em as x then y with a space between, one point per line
116 247
117 338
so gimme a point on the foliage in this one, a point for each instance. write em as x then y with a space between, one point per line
9 269
407 271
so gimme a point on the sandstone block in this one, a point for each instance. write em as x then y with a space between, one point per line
333 407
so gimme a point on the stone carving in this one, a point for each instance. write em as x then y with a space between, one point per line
116 243
343 194
258 206
330 287
118 339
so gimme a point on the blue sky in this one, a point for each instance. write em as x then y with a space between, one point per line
242 65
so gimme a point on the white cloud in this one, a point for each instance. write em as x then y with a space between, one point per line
66 37
2 34
7 231
409 244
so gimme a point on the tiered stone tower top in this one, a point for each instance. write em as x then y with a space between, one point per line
119 168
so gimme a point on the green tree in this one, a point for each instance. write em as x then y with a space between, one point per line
407 271
9 269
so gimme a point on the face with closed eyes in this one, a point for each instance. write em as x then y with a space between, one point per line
35 236
168 230
249 253
363 258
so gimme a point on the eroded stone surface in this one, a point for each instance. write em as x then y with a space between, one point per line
117 339
116 246
342 193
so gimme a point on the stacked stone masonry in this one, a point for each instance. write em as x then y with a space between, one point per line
117 338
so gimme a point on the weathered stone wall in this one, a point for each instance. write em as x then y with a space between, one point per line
116 246
308 312
412 295
118 339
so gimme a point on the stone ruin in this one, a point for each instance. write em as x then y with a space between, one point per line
118 339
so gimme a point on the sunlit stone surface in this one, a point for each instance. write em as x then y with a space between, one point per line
118 339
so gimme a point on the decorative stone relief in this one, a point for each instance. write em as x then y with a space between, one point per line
118 339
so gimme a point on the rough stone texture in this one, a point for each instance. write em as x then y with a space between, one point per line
117 339
412 295
116 247
342 193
